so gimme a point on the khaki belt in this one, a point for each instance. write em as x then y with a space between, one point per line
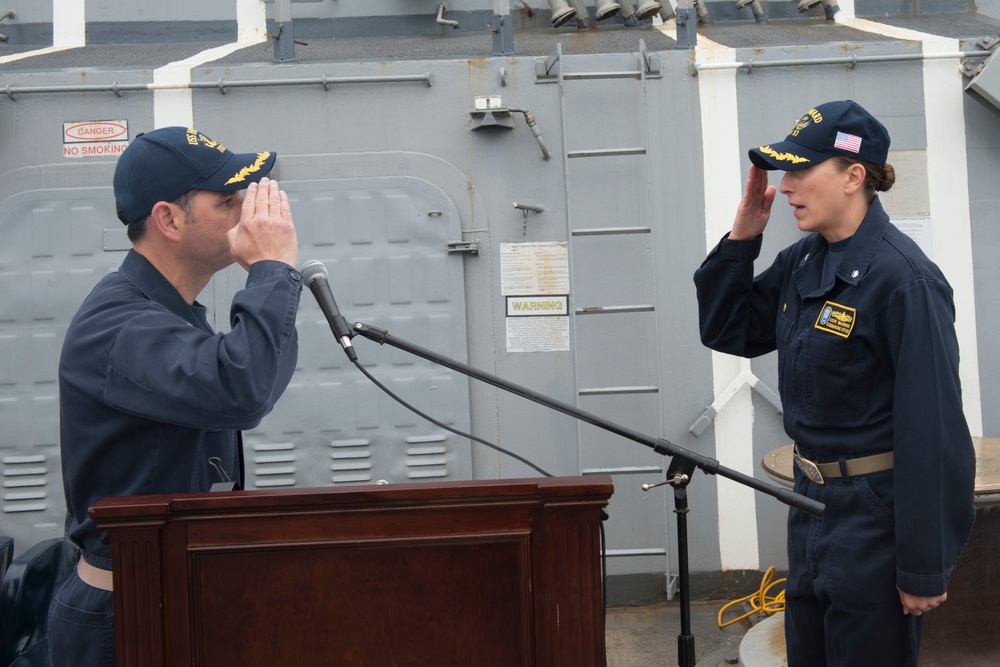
94 576
864 465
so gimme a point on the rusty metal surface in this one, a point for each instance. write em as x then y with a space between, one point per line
473 44
785 32
528 42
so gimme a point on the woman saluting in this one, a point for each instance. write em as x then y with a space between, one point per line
863 323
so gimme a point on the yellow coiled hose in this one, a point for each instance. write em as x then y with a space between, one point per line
761 600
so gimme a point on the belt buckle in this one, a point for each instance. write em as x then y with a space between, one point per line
808 468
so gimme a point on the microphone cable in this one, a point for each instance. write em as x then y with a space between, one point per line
439 424
415 410
316 270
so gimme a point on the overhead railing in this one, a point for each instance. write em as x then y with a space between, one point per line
221 85
852 61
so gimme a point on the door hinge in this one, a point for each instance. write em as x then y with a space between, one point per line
468 247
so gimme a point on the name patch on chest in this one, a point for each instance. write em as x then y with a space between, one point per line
836 319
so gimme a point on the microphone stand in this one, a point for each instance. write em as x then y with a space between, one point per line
682 465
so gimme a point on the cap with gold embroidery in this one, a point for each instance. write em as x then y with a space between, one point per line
834 128
163 164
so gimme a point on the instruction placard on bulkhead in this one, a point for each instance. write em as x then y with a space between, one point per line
534 279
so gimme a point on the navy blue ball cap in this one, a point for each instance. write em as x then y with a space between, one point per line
835 128
163 164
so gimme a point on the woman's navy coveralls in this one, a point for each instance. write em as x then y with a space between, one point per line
866 366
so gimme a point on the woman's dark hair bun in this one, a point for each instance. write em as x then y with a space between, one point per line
887 178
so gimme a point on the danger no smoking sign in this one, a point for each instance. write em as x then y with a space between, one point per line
95 138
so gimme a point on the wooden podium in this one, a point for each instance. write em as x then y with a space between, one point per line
500 572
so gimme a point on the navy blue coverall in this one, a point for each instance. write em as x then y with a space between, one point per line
148 393
866 366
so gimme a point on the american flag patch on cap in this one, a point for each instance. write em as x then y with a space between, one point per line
848 142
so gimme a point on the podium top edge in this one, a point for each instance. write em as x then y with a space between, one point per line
593 487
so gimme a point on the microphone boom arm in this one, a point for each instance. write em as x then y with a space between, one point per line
659 445
682 465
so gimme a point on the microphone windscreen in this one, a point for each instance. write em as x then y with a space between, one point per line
312 270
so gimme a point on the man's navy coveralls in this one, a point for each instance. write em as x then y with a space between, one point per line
150 394
866 366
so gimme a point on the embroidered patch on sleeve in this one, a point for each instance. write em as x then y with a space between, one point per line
836 319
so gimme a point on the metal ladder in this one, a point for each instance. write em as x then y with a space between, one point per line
590 246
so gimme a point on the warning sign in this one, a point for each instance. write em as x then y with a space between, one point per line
534 306
95 138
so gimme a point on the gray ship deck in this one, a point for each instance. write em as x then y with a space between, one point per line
528 41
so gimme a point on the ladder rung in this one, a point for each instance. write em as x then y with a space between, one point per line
569 76
605 391
626 470
604 152
614 310
610 231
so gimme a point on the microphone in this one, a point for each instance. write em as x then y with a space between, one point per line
316 276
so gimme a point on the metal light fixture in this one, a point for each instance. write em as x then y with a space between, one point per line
704 18
758 11
583 19
606 9
561 12
628 12
647 8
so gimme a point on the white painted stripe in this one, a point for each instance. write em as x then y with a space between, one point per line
846 13
951 223
723 180
14 57
670 30
738 545
172 100
251 22
69 25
